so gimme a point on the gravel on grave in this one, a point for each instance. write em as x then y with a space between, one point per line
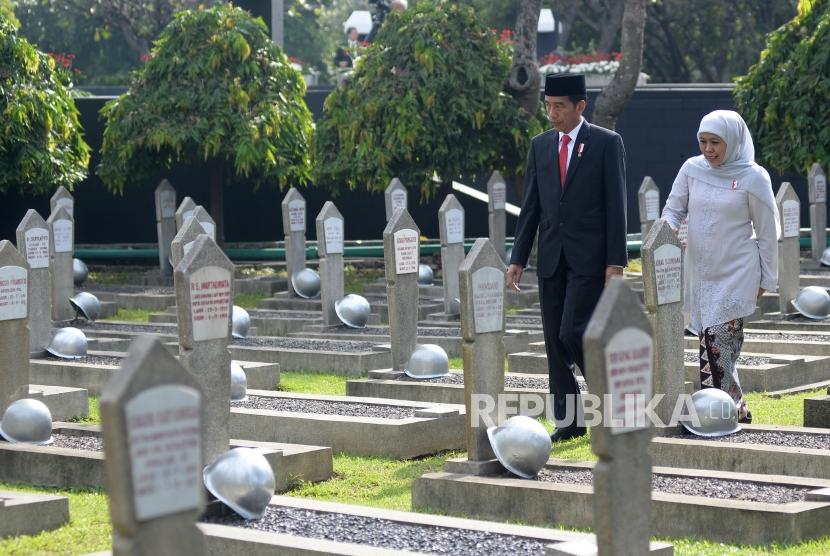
126 288
384 533
270 314
384 331
525 320
91 359
748 360
786 337
725 489
305 343
88 443
325 407
146 328
772 438
510 381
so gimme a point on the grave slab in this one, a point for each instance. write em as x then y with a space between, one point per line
817 411
23 513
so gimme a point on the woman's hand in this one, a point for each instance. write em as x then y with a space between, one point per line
761 292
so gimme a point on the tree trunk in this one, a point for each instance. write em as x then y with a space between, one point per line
524 77
615 95
217 199
610 27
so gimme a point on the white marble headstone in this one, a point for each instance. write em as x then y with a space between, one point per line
790 213
37 247
488 299
406 251
668 271
333 228
455 226
210 293
63 236
629 365
14 286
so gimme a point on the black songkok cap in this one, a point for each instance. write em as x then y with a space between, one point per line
565 85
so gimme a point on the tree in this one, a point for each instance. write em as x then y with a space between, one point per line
615 95
425 99
784 96
215 91
41 146
7 12
524 77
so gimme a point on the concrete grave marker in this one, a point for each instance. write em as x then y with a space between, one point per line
788 247
61 228
293 225
618 359
395 197
481 277
451 231
204 298
401 249
184 240
15 293
206 221
497 216
165 197
662 260
185 211
33 242
62 198
648 197
329 224
817 188
153 428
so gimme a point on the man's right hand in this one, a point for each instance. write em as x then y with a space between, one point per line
514 276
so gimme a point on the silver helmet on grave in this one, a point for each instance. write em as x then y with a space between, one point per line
825 257
239 383
68 343
80 272
243 480
306 283
424 275
86 305
716 414
813 302
428 361
353 310
240 322
522 445
27 421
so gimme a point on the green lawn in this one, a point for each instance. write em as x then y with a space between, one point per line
248 300
132 315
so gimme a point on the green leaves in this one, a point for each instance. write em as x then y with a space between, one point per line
785 98
41 146
216 88
427 98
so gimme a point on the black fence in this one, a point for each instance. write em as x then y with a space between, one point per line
658 126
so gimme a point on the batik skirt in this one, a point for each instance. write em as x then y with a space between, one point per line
720 347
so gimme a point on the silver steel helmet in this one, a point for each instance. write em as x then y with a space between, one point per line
353 310
306 283
716 413
27 420
80 272
240 322
825 257
455 306
813 302
428 361
243 480
86 304
522 445
68 343
239 383
424 275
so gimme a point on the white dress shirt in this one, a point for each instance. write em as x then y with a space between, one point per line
572 134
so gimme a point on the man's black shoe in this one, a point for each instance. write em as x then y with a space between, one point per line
561 435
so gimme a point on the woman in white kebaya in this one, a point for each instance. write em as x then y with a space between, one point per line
731 246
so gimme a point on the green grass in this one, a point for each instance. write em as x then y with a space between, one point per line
312 383
355 279
248 300
111 276
94 417
787 410
132 315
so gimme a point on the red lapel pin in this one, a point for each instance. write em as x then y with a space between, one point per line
579 152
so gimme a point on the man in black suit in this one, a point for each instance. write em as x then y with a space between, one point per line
575 195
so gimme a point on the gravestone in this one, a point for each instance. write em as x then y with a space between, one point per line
789 264
33 243
401 252
62 247
817 188
62 198
15 292
329 224
648 197
395 197
496 213
451 231
153 429
662 260
204 297
203 217
185 211
293 225
618 362
165 197
184 240
481 281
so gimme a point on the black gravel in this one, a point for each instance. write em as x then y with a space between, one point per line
436 331
537 321
304 343
772 438
87 443
91 359
268 314
725 489
324 407
385 533
126 288
787 337
748 360
111 326
510 381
